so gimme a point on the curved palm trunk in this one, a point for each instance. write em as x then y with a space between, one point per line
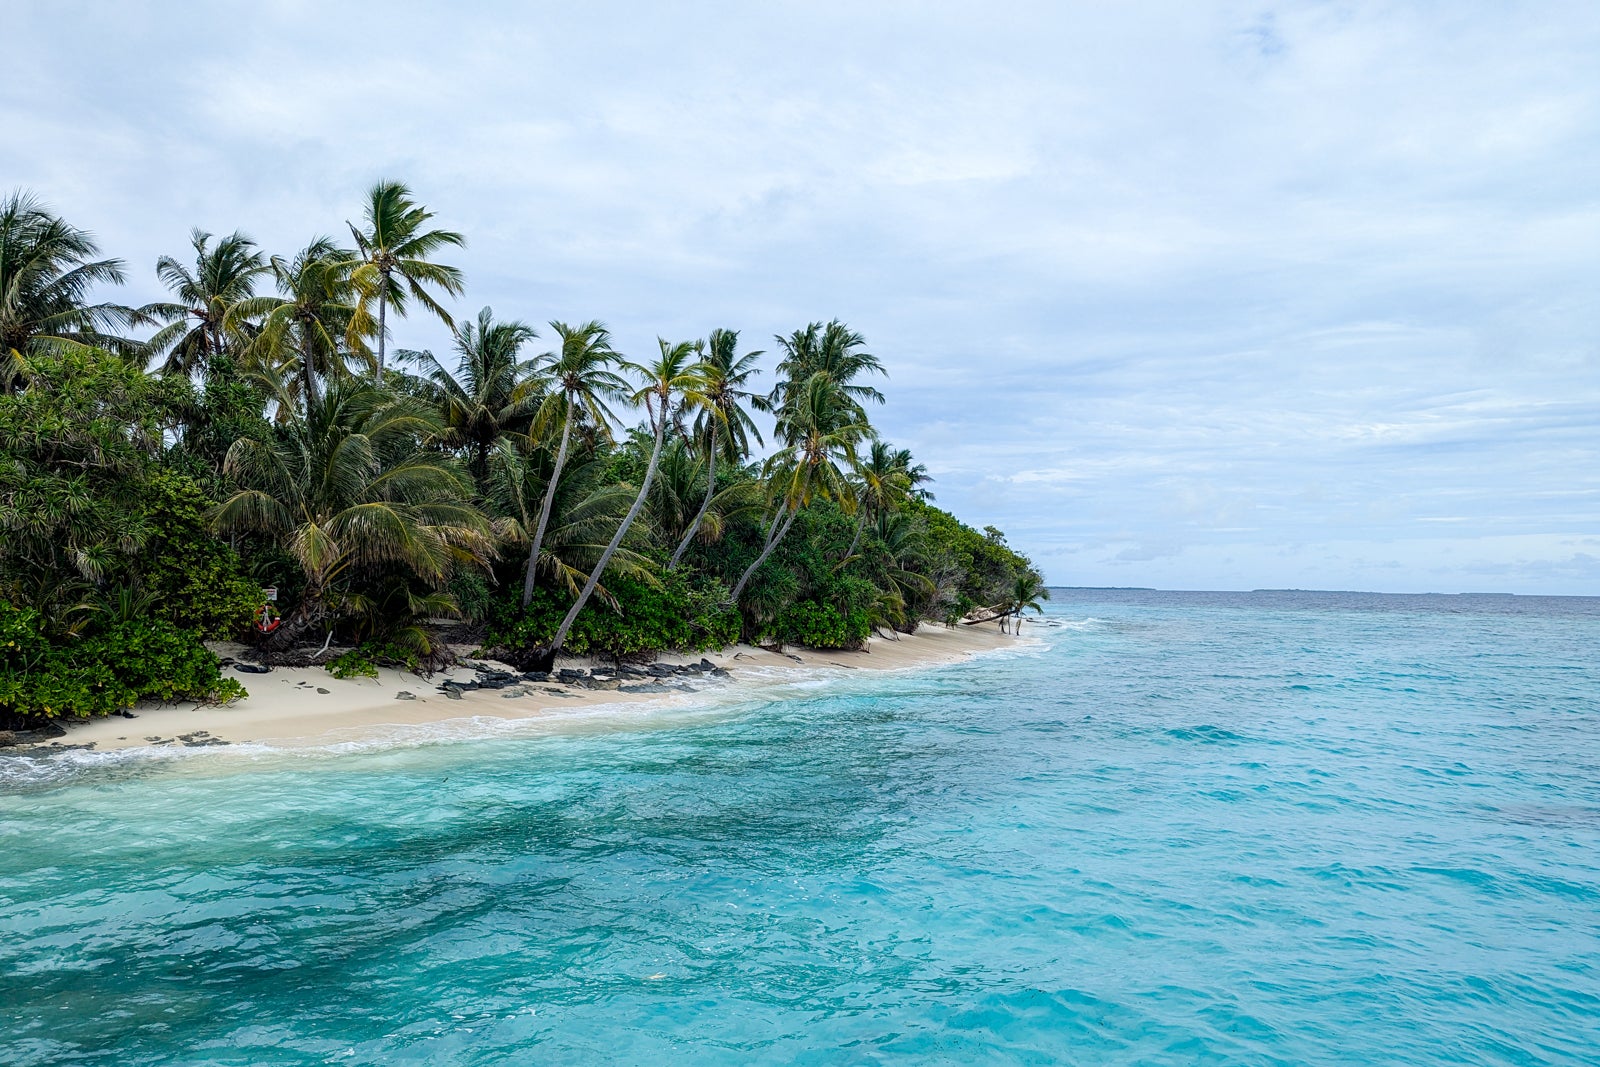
861 524
711 490
544 511
611 550
780 526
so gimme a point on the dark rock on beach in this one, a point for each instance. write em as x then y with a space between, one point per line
251 668
404 695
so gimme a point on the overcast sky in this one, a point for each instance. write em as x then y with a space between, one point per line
1178 294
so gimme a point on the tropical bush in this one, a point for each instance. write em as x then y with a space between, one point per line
104 672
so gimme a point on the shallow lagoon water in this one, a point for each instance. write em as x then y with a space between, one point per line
1187 828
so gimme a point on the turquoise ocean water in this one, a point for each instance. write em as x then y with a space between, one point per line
1186 828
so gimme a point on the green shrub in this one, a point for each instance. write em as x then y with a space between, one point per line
364 661
822 626
352 664
198 582
96 675
676 614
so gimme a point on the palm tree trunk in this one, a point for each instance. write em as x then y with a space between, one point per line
861 524
779 528
383 307
611 549
308 377
544 510
711 489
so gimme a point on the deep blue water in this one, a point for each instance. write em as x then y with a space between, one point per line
1195 828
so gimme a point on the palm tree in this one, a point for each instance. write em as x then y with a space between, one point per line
674 373
580 382
493 390
883 480
586 511
822 426
1027 590
725 373
48 270
834 350
395 250
222 277
346 486
314 327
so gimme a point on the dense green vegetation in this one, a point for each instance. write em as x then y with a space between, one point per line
159 465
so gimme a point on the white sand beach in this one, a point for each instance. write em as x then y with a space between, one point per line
308 706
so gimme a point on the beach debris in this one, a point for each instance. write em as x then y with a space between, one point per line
405 695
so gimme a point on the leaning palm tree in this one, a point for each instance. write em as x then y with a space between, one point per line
1026 593
346 487
48 272
586 512
581 381
673 374
395 250
823 428
316 325
222 277
493 390
722 420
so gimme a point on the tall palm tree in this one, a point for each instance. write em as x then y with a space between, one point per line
822 427
834 350
580 382
493 390
222 277
674 373
395 253
316 324
346 486
722 420
48 272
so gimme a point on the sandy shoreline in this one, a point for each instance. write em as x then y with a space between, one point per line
292 707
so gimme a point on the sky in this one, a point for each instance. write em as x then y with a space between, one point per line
1177 294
